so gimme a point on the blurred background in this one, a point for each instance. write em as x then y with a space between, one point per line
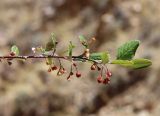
27 89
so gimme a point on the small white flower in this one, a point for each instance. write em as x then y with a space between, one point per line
34 50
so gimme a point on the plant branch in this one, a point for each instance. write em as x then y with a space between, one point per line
75 58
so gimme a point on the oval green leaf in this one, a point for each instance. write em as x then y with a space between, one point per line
125 63
127 50
135 64
141 63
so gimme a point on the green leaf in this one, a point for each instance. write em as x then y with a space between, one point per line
15 50
141 63
101 56
83 41
128 50
135 64
125 63
51 45
70 49
40 49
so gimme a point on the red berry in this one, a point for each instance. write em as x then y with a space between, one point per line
109 74
78 74
106 81
54 68
99 79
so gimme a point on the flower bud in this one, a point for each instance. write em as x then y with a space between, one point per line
93 67
12 54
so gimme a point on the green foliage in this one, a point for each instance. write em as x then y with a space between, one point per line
70 49
51 45
83 41
127 50
141 63
125 63
135 63
15 50
101 56
125 54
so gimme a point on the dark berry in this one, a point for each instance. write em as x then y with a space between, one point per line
99 79
54 68
78 74
106 81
